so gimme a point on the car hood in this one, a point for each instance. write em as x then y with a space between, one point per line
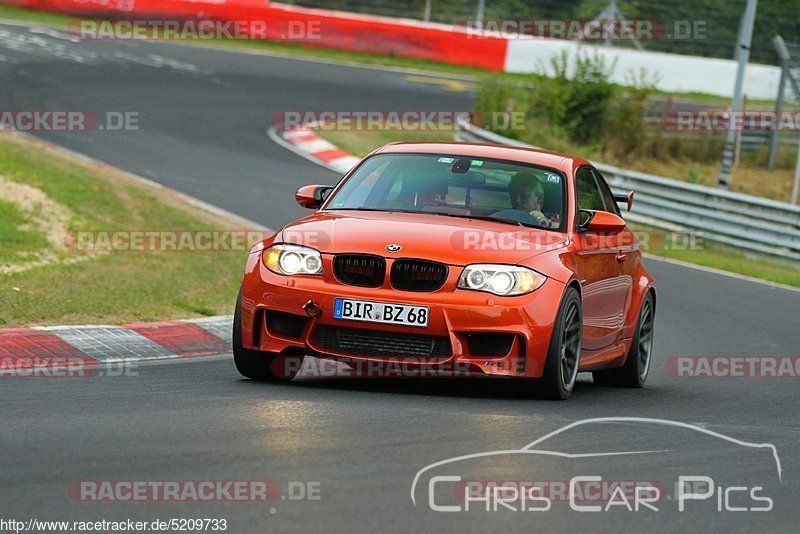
451 240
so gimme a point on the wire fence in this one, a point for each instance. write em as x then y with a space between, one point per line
716 22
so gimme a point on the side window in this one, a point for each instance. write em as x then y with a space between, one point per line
589 196
605 191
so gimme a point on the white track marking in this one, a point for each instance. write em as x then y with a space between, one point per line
275 136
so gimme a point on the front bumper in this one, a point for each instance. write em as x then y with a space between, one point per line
502 336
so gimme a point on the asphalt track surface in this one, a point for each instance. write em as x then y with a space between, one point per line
203 115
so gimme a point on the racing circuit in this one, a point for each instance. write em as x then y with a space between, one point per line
203 115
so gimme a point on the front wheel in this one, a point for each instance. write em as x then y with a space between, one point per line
564 354
634 373
256 364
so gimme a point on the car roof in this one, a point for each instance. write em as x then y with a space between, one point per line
480 150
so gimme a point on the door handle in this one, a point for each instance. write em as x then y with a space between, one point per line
621 256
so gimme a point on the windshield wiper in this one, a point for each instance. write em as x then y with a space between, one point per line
509 221
384 210
484 218
446 214
357 209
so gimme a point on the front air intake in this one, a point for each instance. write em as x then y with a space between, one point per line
372 343
418 275
362 270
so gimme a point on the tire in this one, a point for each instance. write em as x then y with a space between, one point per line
255 364
564 352
637 366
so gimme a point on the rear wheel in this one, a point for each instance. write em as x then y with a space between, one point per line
634 373
564 354
256 364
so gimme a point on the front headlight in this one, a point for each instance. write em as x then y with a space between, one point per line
503 280
292 259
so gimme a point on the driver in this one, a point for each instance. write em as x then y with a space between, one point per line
527 194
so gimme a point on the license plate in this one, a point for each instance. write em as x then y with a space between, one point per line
380 312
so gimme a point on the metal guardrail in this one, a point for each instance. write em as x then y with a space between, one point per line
751 139
751 224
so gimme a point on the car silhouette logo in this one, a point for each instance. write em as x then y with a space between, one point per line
393 247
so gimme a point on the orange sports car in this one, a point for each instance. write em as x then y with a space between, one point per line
495 261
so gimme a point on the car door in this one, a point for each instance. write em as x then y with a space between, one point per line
628 249
604 287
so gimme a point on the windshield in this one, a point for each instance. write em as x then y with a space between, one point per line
456 186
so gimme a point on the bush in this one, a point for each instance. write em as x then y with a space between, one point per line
573 103
585 95
491 97
579 110
626 133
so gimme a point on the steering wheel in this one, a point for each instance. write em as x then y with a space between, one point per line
519 216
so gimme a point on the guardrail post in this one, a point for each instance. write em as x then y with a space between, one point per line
783 54
743 54
796 177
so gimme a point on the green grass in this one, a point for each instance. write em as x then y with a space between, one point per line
708 254
17 245
730 261
30 15
115 287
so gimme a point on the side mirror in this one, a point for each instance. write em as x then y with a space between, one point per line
312 196
603 222
624 198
